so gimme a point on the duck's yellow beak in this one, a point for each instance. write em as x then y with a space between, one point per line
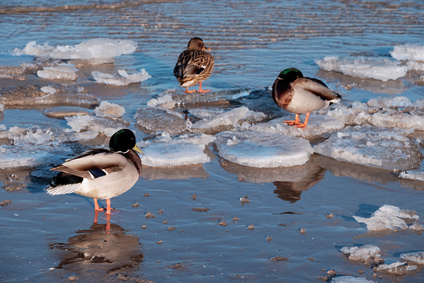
136 148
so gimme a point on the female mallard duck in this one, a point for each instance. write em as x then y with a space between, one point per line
100 173
298 94
194 65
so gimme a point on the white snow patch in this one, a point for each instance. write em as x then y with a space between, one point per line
263 150
61 72
395 268
417 257
99 48
388 217
412 52
375 68
364 253
166 151
107 109
412 175
120 79
372 146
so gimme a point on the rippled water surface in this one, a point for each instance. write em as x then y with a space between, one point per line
220 220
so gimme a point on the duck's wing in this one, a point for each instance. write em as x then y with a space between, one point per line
317 87
193 63
93 164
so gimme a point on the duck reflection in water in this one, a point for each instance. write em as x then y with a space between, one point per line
290 182
104 249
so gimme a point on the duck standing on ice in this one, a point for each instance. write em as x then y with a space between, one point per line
194 65
100 173
298 94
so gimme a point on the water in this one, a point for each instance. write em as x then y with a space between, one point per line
48 238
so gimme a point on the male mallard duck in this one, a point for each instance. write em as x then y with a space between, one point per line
100 173
298 94
194 65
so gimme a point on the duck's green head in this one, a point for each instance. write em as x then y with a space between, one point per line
290 74
123 140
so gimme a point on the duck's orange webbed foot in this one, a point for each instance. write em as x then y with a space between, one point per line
293 122
97 208
189 91
296 123
202 90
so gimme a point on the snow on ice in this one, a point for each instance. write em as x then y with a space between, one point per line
416 257
395 268
366 254
372 146
389 217
379 68
120 79
60 72
99 48
263 150
165 151
412 175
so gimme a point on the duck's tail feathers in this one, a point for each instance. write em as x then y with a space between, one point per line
62 190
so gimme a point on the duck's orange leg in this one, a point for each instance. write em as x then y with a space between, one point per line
96 206
202 90
291 122
108 207
302 125
189 91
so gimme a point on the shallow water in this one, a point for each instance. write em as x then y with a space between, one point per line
50 238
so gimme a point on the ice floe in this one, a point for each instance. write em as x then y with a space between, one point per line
367 254
155 120
350 279
263 150
99 48
389 217
60 112
375 68
92 126
63 71
165 151
219 120
45 96
415 257
413 52
107 109
372 146
395 268
412 175
120 79
317 126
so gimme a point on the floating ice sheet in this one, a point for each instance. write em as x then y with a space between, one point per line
372 146
218 120
416 257
413 52
107 109
395 268
60 72
365 253
412 175
154 120
263 150
389 217
120 79
100 48
92 126
350 279
317 125
367 68
165 151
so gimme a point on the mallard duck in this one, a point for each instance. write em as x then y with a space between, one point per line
298 94
100 173
194 65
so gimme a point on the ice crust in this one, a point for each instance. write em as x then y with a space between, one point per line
350 279
372 146
165 151
120 79
99 48
364 253
412 175
416 257
406 57
107 109
60 72
395 268
389 217
156 120
263 150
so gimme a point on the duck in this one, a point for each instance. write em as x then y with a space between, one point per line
194 65
100 173
301 95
